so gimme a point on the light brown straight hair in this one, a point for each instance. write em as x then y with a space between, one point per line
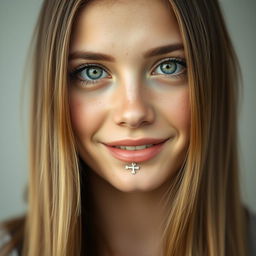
206 216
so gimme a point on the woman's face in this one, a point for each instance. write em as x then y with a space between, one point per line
129 87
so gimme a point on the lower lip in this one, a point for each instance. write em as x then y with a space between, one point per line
136 155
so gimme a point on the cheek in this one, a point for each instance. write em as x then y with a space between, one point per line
86 114
183 110
178 106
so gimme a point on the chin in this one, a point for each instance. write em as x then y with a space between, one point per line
140 182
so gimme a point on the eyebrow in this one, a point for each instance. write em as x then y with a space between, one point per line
104 57
163 50
90 56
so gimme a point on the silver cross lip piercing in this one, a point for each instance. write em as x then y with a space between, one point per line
133 167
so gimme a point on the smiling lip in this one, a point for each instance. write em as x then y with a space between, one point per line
135 155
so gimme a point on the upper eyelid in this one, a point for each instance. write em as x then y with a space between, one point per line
177 59
87 65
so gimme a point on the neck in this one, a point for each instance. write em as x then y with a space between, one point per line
128 223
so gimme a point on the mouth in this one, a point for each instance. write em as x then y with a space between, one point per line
132 148
136 150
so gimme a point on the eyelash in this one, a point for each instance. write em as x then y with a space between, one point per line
74 74
177 60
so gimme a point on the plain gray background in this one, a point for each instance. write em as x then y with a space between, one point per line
17 20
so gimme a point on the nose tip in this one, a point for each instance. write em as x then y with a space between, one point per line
134 113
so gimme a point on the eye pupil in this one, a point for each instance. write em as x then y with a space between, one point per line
168 68
94 73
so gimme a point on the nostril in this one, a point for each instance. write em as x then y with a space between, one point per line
144 123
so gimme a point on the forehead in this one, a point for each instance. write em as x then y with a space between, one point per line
128 25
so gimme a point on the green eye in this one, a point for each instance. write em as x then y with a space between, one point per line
88 75
92 73
170 67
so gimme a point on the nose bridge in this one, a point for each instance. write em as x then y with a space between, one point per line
131 90
133 107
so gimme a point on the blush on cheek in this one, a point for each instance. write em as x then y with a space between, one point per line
178 107
85 115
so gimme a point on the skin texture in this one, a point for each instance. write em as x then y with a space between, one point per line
133 100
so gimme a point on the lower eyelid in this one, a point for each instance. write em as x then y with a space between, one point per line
172 77
184 71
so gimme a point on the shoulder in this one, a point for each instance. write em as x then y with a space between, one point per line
5 238
252 232
12 236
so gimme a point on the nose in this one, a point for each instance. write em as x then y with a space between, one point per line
133 107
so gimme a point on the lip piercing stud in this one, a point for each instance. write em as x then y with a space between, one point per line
133 167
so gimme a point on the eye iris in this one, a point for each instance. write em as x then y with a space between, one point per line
168 68
94 73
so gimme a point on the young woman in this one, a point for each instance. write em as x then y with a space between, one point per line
133 133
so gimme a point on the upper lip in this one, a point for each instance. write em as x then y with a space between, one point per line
133 142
